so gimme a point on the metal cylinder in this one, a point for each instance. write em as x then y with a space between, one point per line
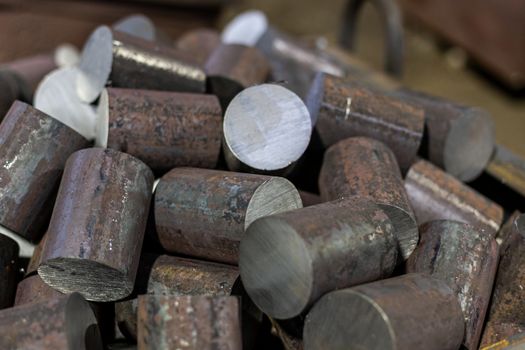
310 199
34 148
516 342
8 270
199 43
287 261
34 260
65 322
163 129
132 62
96 231
436 195
13 88
365 167
33 69
466 259
413 311
33 290
266 128
506 231
197 322
342 108
204 213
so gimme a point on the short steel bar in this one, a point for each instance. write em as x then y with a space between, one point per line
199 43
33 290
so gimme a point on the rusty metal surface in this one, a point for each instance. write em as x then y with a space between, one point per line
194 322
65 322
33 152
310 199
204 213
516 342
13 88
8 270
165 129
33 290
509 168
288 260
34 261
96 231
199 43
436 195
366 167
33 69
413 311
344 108
506 231
466 259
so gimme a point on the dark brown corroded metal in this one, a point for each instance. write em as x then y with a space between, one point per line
436 195
65 322
13 88
365 167
508 168
199 43
310 199
506 231
516 342
96 231
34 148
34 261
287 261
343 108
505 317
33 290
466 259
164 129
33 69
8 272
204 213
194 322
231 68
413 311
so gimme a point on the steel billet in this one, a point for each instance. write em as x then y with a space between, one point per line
289 260
342 108
163 129
466 259
96 231
310 199
196 322
366 167
131 62
436 195
34 260
506 231
516 342
8 265
33 151
199 43
33 69
33 290
413 311
204 213
65 322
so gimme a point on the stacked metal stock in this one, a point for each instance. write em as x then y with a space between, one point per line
390 251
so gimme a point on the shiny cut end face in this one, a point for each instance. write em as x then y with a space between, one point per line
405 229
81 325
102 122
245 29
136 25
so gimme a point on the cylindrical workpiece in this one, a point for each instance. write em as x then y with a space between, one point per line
365 167
34 261
34 148
310 199
195 322
96 231
516 342
199 43
8 264
33 69
413 311
65 322
132 62
33 290
266 129
343 109
204 213
466 259
287 261
436 195
163 129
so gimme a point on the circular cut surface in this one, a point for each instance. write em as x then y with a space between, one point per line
245 29
267 127
81 325
136 25
405 228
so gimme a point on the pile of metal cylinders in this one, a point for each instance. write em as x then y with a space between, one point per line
245 190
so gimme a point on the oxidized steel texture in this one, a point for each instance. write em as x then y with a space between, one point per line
34 148
466 259
508 299
13 88
366 167
506 231
195 322
199 43
142 64
413 311
33 69
310 199
345 109
33 290
516 342
436 195
32 266
204 213
8 270
165 129
97 228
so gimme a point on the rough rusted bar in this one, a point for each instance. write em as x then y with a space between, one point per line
34 261
195 322
33 69
33 290
436 195
506 230
199 43
65 322
204 213
343 108
132 62
232 68
413 311
8 265
287 261
13 88
266 128
505 317
310 199
163 129
33 151
365 167
96 231
516 342
466 259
